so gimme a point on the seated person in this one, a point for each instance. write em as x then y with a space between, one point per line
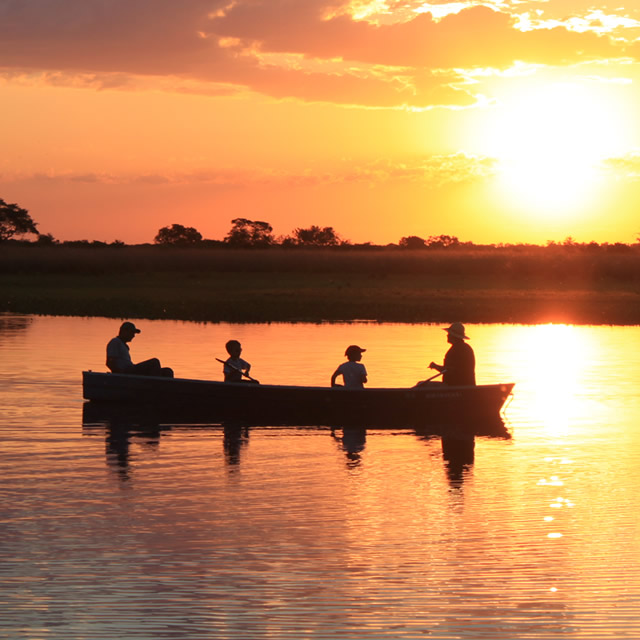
119 357
353 372
459 366
234 368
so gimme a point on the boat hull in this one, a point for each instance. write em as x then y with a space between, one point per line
282 404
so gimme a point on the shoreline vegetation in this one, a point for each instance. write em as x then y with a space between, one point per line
577 284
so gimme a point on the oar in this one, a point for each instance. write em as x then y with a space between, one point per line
430 379
246 375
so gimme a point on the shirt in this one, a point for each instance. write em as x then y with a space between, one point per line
460 365
118 352
353 373
233 368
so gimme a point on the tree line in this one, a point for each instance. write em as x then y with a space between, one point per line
244 233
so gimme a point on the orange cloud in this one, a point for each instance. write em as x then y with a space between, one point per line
435 170
474 37
212 41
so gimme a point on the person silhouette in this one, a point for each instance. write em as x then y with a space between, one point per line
234 367
353 372
459 366
119 356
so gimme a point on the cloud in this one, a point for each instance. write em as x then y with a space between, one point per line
195 43
474 37
627 166
129 36
434 171
96 81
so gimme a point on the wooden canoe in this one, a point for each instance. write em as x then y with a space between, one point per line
287 404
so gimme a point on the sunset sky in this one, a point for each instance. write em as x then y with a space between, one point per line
495 121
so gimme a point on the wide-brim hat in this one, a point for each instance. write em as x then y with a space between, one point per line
354 348
457 331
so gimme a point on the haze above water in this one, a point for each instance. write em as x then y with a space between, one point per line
195 532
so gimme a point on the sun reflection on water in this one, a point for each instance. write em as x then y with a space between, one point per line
556 358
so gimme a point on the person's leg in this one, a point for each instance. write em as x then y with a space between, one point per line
149 367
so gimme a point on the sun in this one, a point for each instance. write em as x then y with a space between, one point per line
550 141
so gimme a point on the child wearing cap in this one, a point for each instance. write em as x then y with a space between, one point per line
353 372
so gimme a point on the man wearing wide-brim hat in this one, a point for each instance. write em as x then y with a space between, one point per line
459 366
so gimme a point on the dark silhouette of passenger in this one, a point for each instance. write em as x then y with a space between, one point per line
235 438
119 357
353 372
353 443
235 367
459 366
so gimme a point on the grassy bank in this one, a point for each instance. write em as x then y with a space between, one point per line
280 285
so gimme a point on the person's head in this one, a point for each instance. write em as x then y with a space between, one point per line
127 331
354 352
234 349
455 333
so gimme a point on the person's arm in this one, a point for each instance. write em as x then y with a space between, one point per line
118 358
437 367
336 373
364 374
112 364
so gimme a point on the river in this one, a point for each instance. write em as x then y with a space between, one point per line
191 531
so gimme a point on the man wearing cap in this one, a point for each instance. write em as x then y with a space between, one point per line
119 357
459 366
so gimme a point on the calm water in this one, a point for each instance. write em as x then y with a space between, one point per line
196 532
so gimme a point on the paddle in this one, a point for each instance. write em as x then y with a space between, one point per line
430 379
246 375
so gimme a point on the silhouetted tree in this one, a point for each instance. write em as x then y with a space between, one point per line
46 239
249 233
178 235
442 242
315 236
15 220
412 242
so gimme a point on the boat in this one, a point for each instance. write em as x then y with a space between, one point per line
411 407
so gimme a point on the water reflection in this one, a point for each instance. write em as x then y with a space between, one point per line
258 532
118 440
558 360
352 442
235 439
125 423
11 325
458 453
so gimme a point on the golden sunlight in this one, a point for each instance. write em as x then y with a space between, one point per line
549 143
559 356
